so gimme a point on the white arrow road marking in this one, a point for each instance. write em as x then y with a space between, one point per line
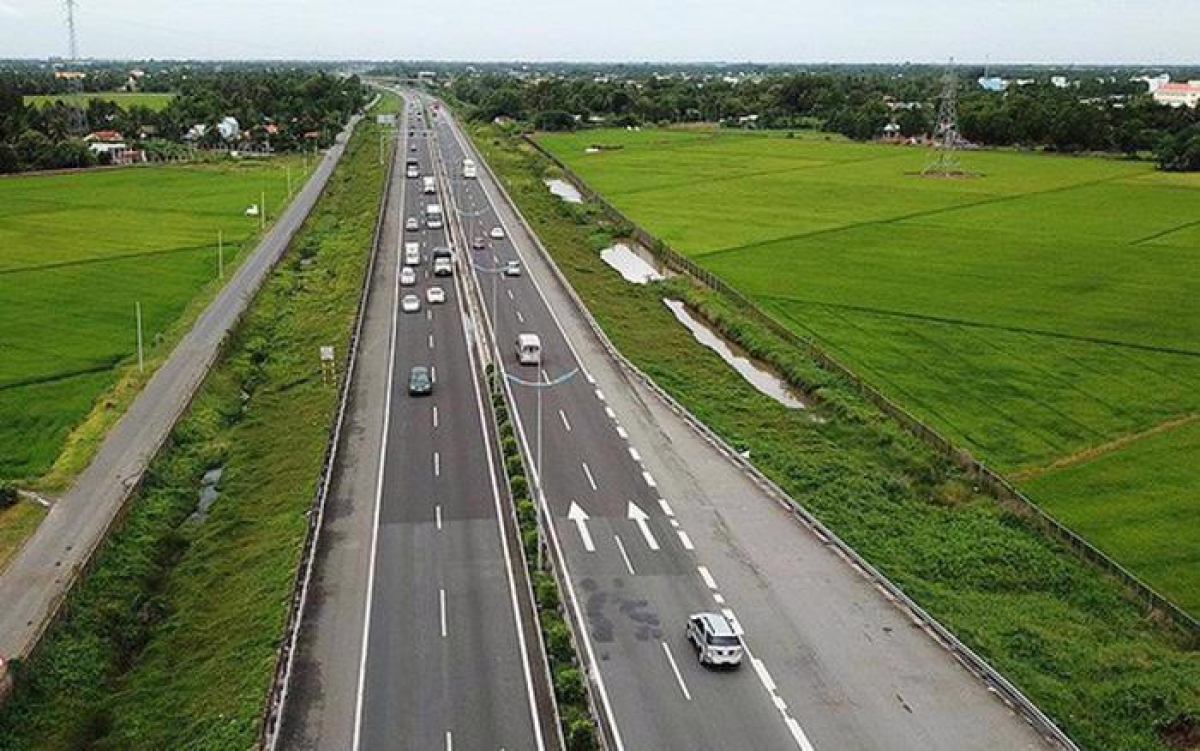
641 517
580 517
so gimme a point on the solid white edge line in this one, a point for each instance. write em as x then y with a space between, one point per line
624 555
581 624
508 565
387 410
678 676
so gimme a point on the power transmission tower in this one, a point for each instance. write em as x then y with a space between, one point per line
945 134
76 115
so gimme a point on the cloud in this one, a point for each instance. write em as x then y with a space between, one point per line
10 10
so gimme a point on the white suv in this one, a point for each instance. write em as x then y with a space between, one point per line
715 639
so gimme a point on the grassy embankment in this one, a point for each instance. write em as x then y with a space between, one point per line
123 99
1063 632
170 640
1041 309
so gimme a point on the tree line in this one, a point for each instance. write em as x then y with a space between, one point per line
287 109
1091 114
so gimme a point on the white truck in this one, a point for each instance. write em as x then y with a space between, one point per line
412 254
470 172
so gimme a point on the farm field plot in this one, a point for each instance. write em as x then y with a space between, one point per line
77 253
1044 307
124 99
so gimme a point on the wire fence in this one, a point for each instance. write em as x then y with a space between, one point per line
984 476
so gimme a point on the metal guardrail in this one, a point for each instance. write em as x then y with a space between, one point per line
995 483
277 694
1009 693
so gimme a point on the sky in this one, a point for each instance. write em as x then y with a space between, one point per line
800 31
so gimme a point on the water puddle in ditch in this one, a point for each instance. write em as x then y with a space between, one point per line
763 380
208 494
564 190
634 263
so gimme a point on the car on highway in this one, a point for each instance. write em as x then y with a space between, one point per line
478 243
412 254
443 267
497 233
716 641
435 295
529 349
512 268
419 382
411 224
408 276
410 304
412 147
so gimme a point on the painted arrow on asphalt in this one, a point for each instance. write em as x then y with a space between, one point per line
580 517
641 517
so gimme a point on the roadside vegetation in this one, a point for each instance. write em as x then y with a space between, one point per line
1111 676
1029 313
170 640
566 670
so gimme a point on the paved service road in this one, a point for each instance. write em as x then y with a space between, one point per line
39 577
672 528
435 649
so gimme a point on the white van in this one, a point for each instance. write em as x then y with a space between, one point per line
428 185
469 171
529 349
412 254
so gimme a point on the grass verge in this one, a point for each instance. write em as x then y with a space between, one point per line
1062 631
170 640
570 688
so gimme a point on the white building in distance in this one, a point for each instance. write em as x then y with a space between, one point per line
1178 94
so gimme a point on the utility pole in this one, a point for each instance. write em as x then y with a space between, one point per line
141 356
220 254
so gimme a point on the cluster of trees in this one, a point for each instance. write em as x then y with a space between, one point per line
287 109
1095 113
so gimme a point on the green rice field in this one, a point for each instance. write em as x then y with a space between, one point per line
77 253
1037 310
124 99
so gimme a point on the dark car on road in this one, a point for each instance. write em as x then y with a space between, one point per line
419 382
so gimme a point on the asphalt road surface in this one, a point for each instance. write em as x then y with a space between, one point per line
653 524
436 650
43 571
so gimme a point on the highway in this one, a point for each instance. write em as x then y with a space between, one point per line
652 524
421 635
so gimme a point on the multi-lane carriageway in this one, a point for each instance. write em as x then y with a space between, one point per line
648 522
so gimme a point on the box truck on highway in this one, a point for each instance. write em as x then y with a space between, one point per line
469 171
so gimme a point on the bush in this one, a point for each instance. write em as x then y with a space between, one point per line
568 684
8 494
580 734
519 485
526 512
509 446
545 589
558 639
